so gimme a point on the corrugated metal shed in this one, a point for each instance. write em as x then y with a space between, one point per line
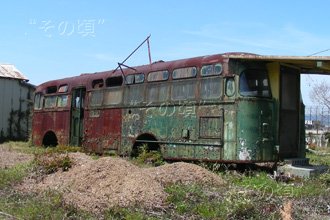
10 71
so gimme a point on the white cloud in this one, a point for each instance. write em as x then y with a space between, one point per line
282 40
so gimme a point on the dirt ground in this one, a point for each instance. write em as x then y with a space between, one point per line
94 185
10 157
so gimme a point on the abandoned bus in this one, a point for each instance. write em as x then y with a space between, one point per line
233 107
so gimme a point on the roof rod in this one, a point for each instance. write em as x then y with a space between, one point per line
147 39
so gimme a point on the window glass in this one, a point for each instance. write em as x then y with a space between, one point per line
210 88
183 90
230 87
62 100
50 101
95 98
38 101
254 83
134 95
187 72
97 83
135 79
158 76
211 69
113 96
51 89
114 81
63 88
157 93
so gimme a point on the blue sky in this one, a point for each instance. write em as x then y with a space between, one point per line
48 40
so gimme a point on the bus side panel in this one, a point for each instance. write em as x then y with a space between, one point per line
195 132
255 136
51 121
37 130
132 126
62 127
230 130
102 131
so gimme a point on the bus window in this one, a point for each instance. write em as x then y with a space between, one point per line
135 79
210 88
230 87
95 98
157 93
183 90
62 100
38 101
134 95
51 89
113 96
50 101
211 69
254 83
114 81
158 76
63 88
97 83
188 72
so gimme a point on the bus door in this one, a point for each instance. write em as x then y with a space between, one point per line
289 112
77 116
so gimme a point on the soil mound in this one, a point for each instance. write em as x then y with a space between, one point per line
184 173
94 185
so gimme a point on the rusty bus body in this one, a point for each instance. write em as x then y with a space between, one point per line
233 107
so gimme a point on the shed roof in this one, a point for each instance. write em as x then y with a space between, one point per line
9 71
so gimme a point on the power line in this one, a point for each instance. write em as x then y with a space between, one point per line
319 52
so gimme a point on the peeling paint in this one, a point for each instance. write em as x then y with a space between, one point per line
245 154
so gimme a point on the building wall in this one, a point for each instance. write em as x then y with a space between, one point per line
16 102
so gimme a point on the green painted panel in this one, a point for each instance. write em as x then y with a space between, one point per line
255 136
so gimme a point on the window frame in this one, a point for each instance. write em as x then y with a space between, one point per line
249 87
158 80
212 71
174 77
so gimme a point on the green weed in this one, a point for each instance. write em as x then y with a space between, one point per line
147 157
44 205
14 175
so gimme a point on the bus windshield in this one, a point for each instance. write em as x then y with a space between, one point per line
254 83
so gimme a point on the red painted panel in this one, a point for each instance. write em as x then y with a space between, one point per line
102 130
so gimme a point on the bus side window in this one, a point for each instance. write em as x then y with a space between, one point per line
113 96
134 95
183 90
187 72
38 101
211 88
95 98
51 89
230 87
97 83
50 101
211 69
157 93
135 79
62 100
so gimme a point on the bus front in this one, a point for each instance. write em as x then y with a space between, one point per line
256 127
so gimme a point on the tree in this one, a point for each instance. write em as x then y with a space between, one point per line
320 93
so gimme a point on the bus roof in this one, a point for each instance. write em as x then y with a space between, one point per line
307 64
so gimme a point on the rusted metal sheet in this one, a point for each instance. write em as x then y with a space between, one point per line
102 130
10 71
